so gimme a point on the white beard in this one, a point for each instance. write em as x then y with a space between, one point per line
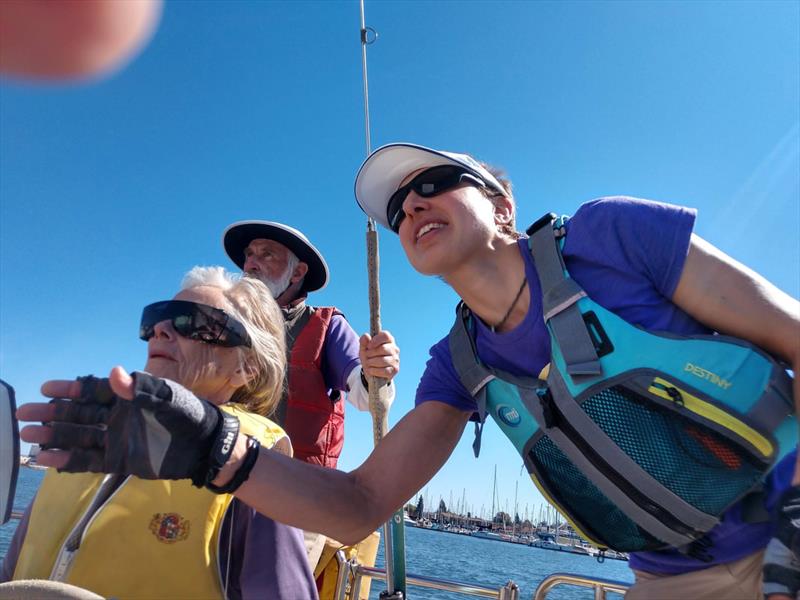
276 286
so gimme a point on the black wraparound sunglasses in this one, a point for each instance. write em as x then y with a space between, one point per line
429 183
194 321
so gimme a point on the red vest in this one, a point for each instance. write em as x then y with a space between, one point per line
314 421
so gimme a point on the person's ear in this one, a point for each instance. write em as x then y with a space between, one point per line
299 272
503 210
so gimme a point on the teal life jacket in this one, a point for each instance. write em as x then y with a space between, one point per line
641 440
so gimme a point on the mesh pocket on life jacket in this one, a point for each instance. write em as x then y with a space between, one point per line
703 467
706 469
585 505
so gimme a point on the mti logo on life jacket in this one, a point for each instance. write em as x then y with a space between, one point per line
707 375
169 527
509 415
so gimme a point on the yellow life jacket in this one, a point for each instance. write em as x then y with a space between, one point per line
327 571
149 539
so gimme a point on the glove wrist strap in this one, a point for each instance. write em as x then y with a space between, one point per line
242 473
224 442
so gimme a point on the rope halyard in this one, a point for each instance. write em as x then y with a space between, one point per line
393 532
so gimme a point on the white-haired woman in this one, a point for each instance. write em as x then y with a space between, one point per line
222 337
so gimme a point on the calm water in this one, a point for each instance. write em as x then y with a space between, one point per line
27 484
444 555
491 563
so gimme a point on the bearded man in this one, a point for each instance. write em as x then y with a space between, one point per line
326 358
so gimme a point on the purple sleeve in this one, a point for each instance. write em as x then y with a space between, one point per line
440 381
633 237
12 555
268 559
339 353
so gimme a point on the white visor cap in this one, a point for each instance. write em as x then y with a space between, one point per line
383 170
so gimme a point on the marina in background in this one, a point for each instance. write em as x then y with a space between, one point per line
556 536
543 527
30 460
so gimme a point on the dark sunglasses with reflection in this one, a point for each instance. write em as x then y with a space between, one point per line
431 182
194 321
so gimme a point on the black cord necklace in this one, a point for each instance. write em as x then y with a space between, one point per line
502 322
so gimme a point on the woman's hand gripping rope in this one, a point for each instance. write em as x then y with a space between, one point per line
130 424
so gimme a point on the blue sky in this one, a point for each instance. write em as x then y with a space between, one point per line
109 192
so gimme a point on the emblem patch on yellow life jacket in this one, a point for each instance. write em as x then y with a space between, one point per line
169 527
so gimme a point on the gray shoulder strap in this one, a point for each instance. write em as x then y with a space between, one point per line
777 403
473 374
560 293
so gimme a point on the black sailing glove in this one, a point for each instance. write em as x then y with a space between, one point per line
165 432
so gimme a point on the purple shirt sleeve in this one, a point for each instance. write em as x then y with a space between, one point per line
339 353
630 239
440 381
267 559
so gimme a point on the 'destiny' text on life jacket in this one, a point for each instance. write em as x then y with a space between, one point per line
707 375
